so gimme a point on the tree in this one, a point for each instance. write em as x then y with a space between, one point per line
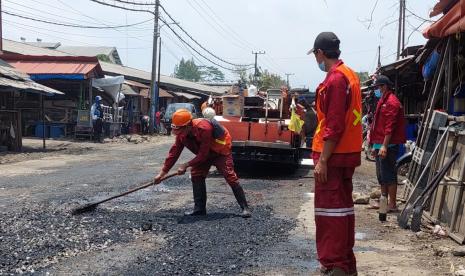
211 74
103 57
267 80
187 70
363 76
241 74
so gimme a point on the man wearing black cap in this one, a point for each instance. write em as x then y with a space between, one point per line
336 148
387 134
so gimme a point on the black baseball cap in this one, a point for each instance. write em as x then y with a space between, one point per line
325 41
382 80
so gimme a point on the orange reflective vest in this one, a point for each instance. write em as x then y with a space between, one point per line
351 139
222 144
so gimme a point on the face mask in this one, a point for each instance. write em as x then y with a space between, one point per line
322 66
378 93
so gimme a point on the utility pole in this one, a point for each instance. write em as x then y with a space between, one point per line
287 77
153 84
255 75
379 56
401 29
1 27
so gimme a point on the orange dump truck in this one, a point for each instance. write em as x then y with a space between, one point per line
259 129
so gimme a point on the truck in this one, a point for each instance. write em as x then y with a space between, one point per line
259 127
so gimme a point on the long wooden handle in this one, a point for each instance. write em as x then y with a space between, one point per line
136 189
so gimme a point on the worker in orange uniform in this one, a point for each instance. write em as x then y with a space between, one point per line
211 143
337 145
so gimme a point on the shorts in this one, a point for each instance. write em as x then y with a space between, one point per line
386 171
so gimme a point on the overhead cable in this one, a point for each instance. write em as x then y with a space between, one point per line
73 25
200 45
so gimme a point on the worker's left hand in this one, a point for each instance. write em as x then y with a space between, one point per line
182 169
382 152
321 171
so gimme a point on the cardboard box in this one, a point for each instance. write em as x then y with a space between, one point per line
233 105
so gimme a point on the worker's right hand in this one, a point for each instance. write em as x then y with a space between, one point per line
320 171
157 179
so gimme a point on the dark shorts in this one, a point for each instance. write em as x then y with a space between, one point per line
386 171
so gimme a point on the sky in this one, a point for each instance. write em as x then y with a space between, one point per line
232 30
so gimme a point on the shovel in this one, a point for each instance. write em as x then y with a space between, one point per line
416 208
91 206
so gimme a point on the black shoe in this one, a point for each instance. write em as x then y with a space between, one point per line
199 190
240 197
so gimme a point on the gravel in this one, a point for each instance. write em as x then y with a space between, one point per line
36 238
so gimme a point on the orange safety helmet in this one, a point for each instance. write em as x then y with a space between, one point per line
181 118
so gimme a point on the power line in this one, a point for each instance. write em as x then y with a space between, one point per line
215 25
135 3
200 45
250 45
195 50
417 16
73 25
119 7
74 34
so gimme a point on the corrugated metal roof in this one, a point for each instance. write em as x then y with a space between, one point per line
161 93
49 45
64 65
144 76
136 84
41 67
26 49
88 51
187 95
128 91
12 78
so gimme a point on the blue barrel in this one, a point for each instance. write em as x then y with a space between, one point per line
39 130
57 131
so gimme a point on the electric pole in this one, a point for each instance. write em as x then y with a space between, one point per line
255 75
1 26
287 77
401 30
153 83
379 56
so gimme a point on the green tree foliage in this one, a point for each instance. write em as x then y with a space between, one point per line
187 70
241 74
212 74
363 76
103 57
267 80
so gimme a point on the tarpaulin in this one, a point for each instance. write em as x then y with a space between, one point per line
111 85
451 23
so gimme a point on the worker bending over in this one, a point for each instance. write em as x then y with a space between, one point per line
211 143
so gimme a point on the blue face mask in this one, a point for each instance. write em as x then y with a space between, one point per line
378 93
322 66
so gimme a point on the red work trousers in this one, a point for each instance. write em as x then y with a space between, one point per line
223 163
335 220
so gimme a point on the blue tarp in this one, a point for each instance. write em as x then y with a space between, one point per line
57 76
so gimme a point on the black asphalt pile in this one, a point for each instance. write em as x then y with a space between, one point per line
218 244
36 238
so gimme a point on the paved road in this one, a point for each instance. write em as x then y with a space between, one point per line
146 233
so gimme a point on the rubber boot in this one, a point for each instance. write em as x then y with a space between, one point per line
200 198
240 197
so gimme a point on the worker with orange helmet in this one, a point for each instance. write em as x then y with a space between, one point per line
336 148
211 143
